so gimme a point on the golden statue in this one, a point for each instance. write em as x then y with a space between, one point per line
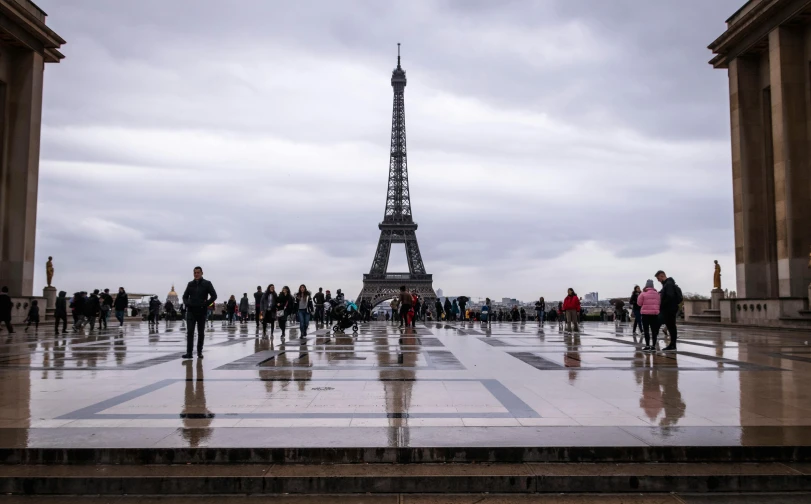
49 270
716 278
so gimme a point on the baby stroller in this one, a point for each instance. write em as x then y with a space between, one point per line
345 315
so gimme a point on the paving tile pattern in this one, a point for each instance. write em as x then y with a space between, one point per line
507 385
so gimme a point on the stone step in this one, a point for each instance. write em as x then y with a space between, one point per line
402 455
402 478
631 498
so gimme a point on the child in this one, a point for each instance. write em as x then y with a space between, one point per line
33 316
649 301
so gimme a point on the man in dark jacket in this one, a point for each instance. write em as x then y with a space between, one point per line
462 300
106 306
438 308
244 306
92 307
257 297
120 304
197 296
61 312
669 307
319 306
405 304
5 309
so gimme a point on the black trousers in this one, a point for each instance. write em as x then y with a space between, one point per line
669 321
8 325
268 319
64 318
650 326
195 317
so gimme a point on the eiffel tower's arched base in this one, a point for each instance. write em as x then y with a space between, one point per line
377 290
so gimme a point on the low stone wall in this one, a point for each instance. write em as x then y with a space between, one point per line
762 311
695 307
20 306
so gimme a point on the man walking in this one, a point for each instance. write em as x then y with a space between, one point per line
405 304
106 307
92 308
671 297
257 297
120 304
244 305
198 295
319 306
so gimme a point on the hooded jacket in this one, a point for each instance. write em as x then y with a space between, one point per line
649 301
61 308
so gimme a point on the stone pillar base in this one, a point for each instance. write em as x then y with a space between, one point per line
49 293
715 299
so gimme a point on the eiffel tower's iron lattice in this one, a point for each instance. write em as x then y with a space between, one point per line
398 225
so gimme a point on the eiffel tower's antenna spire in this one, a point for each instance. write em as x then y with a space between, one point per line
398 54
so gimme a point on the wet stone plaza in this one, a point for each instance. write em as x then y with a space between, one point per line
436 385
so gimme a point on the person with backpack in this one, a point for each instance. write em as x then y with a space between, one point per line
670 299
649 301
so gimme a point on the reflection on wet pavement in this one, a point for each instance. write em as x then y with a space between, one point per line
502 384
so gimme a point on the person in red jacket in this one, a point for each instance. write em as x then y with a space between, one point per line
571 305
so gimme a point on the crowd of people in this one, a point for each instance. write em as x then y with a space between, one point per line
652 310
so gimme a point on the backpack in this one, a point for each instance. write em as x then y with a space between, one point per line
679 295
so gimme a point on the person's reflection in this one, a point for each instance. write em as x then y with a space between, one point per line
571 358
120 348
651 400
303 372
195 415
671 395
660 392
398 383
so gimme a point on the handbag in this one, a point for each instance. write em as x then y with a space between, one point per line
279 313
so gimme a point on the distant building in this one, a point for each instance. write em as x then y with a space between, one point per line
172 297
591 297
439 293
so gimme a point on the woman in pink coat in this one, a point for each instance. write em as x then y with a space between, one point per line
648 301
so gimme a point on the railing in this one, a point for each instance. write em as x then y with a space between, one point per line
398 276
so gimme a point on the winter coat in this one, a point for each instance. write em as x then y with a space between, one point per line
649 301
121 301
571 303
268 301
309 299
199 294
257 297
61 308
5 307
92 306
634 302
231 306
244 304
154 307
33 314
283 302
448 307
668 297
438 306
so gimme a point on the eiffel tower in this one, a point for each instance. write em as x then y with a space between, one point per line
398 225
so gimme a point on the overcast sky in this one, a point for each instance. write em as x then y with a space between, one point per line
551 143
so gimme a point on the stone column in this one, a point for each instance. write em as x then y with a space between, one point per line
49 293
756 268
792 180
20 173
715 299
